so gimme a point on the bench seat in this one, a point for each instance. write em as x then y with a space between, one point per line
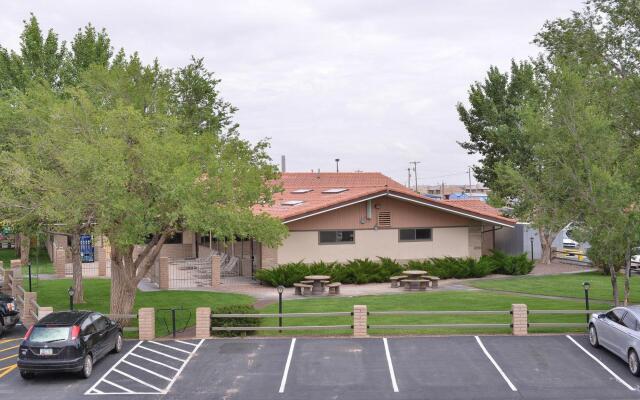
334 288
302 289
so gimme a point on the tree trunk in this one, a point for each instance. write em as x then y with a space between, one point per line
16 244
123 285
627 274
76 260
126 273
25 246
614 284
546 241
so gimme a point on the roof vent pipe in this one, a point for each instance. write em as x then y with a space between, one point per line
283 165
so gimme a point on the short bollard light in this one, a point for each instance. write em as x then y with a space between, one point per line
280 289
71 292
586 286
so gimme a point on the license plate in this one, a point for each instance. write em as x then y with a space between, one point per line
46 352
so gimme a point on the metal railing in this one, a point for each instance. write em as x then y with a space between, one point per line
560 324
440 325
282 317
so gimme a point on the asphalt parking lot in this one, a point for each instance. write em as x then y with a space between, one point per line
458 367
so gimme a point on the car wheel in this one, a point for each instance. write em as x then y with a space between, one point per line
26 375
118 346
87 366
1 327
593 336
634 363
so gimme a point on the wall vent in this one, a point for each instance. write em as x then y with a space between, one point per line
384 218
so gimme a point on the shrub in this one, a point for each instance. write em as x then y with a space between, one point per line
358 271
361 271
510 265
236 321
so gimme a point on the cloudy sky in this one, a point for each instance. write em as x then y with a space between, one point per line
373 83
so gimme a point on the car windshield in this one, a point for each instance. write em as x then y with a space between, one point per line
45 334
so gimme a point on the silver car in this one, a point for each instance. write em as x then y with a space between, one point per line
618 330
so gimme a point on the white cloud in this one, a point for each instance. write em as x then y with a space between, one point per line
372 82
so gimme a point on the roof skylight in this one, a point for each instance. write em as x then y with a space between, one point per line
334 190
300 191
292 202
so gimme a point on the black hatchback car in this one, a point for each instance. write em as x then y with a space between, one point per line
69 341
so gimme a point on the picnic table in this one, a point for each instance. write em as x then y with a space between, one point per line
318 285
414 273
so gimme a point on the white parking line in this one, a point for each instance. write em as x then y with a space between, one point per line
140 381
153 361
127 360
170 347
602 364
92 388
391 372
190 344
287 365
114 385
162 354
147 370
184 365
495 364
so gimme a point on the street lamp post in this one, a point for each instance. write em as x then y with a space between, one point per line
280 291
30 276
531 240
586 286
71 292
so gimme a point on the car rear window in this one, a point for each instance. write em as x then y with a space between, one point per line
44 334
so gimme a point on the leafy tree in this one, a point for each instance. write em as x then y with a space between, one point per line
508 167
42 69
602 43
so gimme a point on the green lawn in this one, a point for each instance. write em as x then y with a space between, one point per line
40 263
53 293
444 300
566 285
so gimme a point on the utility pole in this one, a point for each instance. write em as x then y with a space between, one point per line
337 165
409 178
415 171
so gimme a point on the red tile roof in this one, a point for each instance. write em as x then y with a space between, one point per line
360 185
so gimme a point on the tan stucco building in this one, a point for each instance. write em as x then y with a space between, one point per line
342 216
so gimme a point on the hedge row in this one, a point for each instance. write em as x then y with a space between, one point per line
369 271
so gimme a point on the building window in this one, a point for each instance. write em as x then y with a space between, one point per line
336 237
414 234
176 238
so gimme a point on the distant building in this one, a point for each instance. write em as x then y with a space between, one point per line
455 192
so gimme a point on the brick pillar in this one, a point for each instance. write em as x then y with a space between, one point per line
17 282
59 261
360 321
147 323
27 309
5 281
203 322
102 261
519 319
44 311
163 275
215 271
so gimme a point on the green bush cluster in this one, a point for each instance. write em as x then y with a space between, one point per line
358 271
361 271
462 268
235 321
